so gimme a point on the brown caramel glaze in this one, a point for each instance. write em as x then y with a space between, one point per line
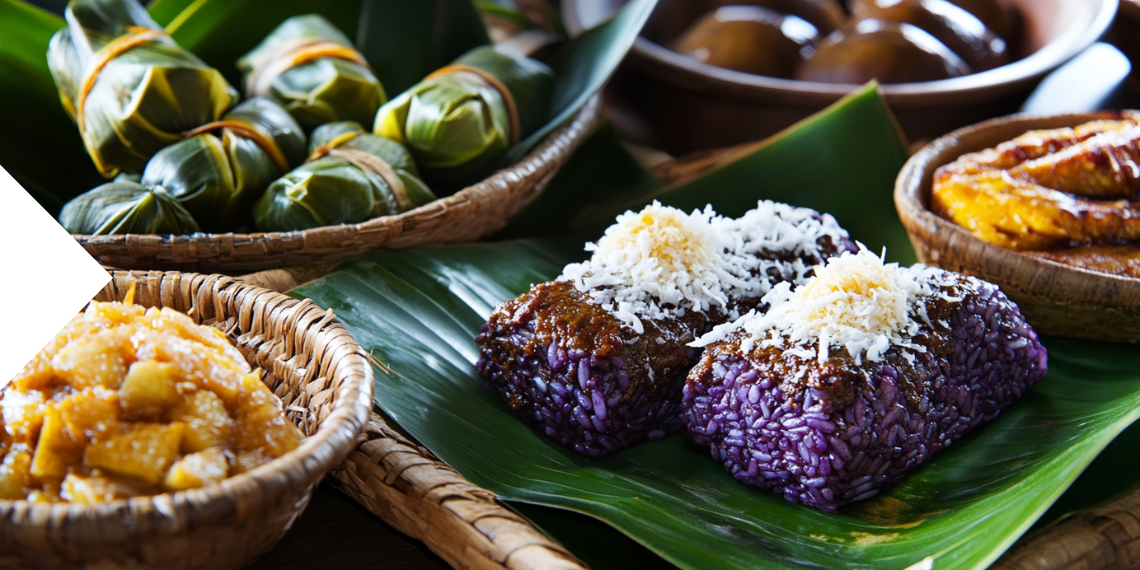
1123 260
839 377
831 434
890 52
1051 190
581 376
1034 145
1000 18
955 27
563 316
749 39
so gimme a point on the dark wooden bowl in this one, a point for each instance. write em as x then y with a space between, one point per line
675 103
1056 299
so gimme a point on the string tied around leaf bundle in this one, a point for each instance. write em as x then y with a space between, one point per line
367 162
494 83
136 36
292 53
249 131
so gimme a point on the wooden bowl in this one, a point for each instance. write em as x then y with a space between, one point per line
471 213
324 380
1056 299
675 103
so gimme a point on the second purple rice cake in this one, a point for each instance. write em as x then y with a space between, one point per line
597 357
856 377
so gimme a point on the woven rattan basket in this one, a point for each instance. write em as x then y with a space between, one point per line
324 380
471 213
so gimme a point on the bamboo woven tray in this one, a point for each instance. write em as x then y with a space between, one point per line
405 484
471 213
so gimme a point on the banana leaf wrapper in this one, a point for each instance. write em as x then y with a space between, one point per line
126 207
129 87
223 167
312 69
464 117
351 176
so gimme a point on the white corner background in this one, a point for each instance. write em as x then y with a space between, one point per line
45 277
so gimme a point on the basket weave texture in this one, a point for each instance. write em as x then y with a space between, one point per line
412 490
324 380
471 213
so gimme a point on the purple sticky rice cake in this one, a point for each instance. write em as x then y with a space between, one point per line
599 368
827 430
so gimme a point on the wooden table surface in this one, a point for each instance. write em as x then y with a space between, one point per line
336 532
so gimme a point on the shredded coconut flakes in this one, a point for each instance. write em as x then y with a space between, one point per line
854 302
661 262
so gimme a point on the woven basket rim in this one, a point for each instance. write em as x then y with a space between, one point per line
407 229
912 199
316 454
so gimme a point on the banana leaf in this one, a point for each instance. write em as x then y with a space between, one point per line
577 199
31 117
126 207
1111 476
312 69
222 31
456 123
584 66
603 180
352 176
417 312
458 127
146 89
404 40
522 14
219 172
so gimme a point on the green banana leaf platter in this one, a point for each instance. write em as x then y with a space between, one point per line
403 40
666 503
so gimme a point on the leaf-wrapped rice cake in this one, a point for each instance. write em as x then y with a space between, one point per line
351 176
126 207
462 118
597 358
312 69
856 377
128 86
224 166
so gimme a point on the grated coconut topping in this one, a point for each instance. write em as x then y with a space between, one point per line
854 302
662 262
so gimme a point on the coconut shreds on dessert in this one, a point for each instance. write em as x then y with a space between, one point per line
597 358
857 376
661 262
854 302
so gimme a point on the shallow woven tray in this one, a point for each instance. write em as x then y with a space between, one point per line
405 484
323 378
471 213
